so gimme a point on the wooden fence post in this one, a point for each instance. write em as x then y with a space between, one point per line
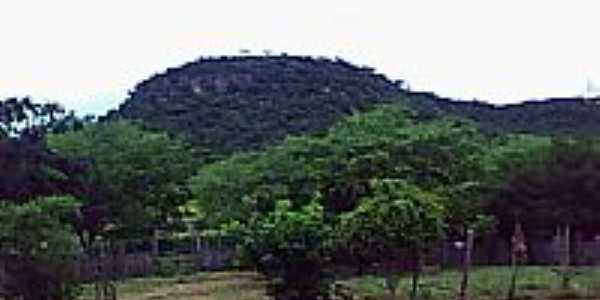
565 259
466 265
156 243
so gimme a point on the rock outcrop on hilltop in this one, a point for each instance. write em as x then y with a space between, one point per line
230 104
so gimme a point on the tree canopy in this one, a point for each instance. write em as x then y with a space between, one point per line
559 185
397 216
559 117
136 183
27 168
384 143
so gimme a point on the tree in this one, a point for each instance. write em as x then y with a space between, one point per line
137 182
35 248
27 168
557 185
388 142
398 216
290 246
21 117
557 188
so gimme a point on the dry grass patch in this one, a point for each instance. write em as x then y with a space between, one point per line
209 286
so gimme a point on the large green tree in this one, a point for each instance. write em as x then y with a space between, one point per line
486 169
389 142
291 247
35 248
558 185
27 168
397 223
137 180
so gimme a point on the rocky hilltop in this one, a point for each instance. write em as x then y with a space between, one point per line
230 104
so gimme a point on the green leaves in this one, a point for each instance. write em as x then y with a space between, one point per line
383 143
138 174
287 232
559 185
35 228
290 245
397 216
241 104
37 248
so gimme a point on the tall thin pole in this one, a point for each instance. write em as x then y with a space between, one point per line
466 265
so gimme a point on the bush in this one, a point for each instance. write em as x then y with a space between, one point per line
165 267
173 265
37 263
290 247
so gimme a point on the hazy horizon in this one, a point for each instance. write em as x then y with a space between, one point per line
89 55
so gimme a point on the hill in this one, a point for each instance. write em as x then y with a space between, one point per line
230 104
240 103
562 117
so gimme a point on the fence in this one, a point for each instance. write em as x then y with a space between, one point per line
125 265
497 252
219 256
120 264
107 265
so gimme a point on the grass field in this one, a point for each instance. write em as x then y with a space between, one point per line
210 286
487 283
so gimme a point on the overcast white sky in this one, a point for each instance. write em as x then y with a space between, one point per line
88 54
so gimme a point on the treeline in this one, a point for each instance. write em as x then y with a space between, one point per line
560 117
231 104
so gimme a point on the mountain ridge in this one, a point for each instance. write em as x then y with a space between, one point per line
237 103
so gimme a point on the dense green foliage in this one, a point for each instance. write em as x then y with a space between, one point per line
35 237
510 152
228 104
136 183
384 143
398 223
239 103
31 228
343 167
397 216
468 202
568 117
558 185
34 242
291 247
27 168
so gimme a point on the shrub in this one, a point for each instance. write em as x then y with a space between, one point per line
37 249
290 247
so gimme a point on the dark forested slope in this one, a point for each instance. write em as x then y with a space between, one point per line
563 117
230 104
